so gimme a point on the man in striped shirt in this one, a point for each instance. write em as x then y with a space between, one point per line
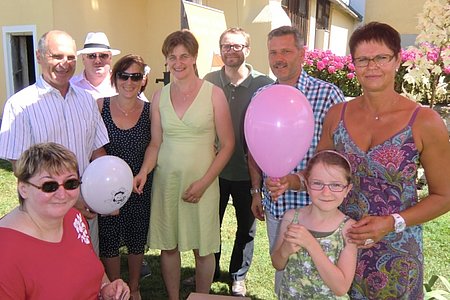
53 110
286 55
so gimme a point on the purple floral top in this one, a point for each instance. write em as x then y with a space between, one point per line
384 182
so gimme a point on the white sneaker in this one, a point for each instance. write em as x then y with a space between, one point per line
238 288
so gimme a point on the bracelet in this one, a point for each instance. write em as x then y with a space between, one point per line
301 178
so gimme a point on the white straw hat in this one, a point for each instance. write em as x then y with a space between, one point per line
97 42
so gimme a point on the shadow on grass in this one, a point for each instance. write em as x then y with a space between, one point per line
152 287
5 165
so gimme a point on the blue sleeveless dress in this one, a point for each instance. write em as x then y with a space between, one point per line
385 183
130 227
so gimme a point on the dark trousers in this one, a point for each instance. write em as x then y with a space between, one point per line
241 257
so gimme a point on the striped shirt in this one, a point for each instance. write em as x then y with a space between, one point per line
39 114
321 95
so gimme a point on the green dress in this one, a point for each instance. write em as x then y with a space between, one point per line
187 151
301 280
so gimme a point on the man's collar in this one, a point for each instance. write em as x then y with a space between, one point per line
245 82
47 88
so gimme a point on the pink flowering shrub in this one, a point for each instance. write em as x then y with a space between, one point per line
425 73
339 70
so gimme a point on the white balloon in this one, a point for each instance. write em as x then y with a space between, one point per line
107 184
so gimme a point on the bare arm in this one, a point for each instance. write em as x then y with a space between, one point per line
13 164
256 181
224 129
97 153
431 137
283 247
151 153
431 140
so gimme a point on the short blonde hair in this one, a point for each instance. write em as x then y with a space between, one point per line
51 157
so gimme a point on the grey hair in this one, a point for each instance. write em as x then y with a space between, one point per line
288 30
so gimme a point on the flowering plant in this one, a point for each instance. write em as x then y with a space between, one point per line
426 72
339 70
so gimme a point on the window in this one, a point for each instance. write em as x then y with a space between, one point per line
297 10
20 62
323 14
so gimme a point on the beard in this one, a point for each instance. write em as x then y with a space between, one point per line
234 60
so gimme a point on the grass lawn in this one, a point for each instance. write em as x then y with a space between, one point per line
260 276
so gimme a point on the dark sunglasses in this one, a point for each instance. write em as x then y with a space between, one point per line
134 76
99 55
53 186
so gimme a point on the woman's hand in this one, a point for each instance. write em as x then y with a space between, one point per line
369 230
116 290
194 192
84 209
139 182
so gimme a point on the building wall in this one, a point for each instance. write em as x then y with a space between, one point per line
255 17
140 26
342 26
400 14
135 28
19 13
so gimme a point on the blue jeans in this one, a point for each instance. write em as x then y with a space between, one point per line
242 255
273 229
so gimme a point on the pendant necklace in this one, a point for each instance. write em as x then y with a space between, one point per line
126 113
377 116
187 95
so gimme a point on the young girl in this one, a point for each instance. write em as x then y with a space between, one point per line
318 263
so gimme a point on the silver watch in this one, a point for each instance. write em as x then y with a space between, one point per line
254 191
399 223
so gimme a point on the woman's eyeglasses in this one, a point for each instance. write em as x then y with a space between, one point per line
235 47
134 76
102 56
53 186
334 187
379 60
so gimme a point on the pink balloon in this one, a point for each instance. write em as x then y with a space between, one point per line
279 127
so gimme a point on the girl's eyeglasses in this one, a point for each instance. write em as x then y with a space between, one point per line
53 186
319 186
134 76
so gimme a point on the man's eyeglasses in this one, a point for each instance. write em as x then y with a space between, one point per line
379 60
53 186
60 57
102 56
319 186
235 47
134 76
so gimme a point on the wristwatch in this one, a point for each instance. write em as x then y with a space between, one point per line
399 223
254 191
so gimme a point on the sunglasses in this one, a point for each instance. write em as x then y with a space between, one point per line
53 186
102 56
134 76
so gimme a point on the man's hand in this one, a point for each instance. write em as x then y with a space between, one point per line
257 207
